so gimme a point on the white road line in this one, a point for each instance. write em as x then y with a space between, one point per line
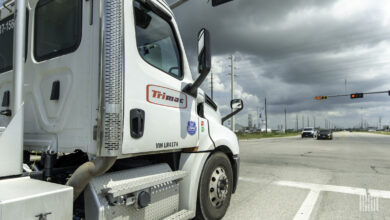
307 206
340 189
249 179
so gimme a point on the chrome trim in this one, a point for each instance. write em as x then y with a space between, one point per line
110 119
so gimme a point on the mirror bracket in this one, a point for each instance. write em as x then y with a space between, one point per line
234 112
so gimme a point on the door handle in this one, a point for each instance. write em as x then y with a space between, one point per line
137 122
55 90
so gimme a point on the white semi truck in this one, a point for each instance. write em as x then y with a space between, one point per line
100 117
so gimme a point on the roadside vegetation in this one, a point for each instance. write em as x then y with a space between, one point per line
258 135
382 132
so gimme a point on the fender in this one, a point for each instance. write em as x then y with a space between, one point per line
193 163
223 136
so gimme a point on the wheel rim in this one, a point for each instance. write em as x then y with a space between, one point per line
218 187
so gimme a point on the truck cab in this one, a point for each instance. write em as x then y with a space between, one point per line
107 85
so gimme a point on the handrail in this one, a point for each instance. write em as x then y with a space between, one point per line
5 3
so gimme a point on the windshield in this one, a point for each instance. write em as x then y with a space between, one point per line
6 43
308 129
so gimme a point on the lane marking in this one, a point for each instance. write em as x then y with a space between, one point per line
307 206
333 188
310 201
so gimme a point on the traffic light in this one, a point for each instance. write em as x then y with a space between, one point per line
320 97
356 95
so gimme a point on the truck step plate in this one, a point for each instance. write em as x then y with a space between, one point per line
117 195
123 187
182 215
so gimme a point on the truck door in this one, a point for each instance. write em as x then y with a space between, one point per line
157 115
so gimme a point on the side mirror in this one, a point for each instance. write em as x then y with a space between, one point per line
204 61
204 54
237 105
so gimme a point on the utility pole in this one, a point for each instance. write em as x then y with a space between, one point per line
303 122
361 118
314 120
296 120
232 87
258 118
308 123
285 120
212 83
266 116
345 86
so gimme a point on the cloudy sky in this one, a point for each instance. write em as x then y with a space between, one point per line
292 50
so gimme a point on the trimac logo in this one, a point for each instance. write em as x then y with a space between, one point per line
166 97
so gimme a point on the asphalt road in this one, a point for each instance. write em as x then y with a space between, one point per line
293 178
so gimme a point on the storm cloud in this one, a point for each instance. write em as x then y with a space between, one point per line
291 51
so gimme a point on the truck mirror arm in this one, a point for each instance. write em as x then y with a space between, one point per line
157 10
192 88
231 114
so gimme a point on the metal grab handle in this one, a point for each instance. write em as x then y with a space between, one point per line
5 3
6 112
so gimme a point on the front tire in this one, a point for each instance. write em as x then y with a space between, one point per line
215 187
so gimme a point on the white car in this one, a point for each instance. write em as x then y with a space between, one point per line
309 132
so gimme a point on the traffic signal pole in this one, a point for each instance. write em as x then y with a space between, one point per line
352 96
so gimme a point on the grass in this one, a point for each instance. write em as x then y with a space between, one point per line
377 132
382 132
259 135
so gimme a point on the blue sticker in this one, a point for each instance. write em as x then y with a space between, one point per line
191 127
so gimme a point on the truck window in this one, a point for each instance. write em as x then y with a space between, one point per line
6 43
7 26
156 41
57 28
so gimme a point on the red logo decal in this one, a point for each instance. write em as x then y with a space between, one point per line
165 96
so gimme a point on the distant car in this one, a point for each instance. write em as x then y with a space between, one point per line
325 134
308 132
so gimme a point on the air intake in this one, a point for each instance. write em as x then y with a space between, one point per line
112 78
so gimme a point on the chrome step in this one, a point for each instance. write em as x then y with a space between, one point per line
181 215
135 184
116 195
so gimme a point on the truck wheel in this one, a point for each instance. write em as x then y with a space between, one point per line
215 187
